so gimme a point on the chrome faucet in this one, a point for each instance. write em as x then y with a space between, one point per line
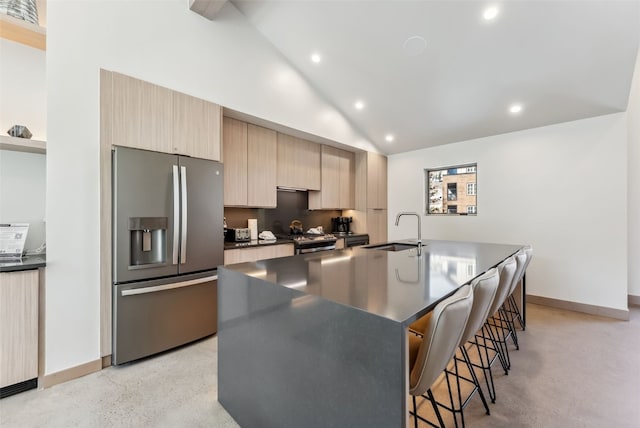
419 226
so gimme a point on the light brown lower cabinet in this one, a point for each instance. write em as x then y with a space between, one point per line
251 254
18 326
377 225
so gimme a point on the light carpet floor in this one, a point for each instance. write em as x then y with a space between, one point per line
572 370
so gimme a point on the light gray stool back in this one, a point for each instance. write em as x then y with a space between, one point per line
440 340
484 291
507 271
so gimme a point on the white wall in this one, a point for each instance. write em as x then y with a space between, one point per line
560 188
22 193
225 61
23 94
23 101
633 114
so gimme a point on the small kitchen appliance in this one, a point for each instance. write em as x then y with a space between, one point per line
238 234
341 224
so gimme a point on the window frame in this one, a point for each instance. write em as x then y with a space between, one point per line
436 196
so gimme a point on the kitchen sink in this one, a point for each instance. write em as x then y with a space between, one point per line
393 247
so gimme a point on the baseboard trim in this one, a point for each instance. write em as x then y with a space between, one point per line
634 300
619 314
106 361
70 373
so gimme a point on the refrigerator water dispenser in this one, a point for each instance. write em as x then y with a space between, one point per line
148 241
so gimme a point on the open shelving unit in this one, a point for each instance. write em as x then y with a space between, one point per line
22 145
23 32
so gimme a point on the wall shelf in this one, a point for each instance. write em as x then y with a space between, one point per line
22 145
23 32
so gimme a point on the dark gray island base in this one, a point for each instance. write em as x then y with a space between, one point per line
319 340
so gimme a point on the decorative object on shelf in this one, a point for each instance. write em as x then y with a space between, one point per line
27 10
19 131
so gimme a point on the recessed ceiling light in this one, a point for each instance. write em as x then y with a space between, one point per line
359 105
316 58
490 13
389 138
414 45
515 108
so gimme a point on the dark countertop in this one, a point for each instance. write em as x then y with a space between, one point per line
255 243
279 241
26 263
395 285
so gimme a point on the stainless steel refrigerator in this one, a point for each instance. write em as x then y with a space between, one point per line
167 244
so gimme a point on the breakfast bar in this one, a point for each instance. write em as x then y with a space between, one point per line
319 340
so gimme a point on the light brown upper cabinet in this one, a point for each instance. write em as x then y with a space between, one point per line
298 163
196 127
148 116
371 181
234 147
141 114
337 178
249 164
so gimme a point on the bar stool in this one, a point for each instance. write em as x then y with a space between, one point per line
484 291
429 355
511 306
487 340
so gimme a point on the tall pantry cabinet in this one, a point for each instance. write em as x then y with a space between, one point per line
370 215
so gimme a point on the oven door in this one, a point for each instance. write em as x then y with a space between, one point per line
315 247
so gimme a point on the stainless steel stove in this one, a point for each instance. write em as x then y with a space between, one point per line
307 243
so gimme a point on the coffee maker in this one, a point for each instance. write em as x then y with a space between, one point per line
341 224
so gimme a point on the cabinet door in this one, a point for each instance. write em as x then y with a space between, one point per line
235 162
338 172
19 326
261 162
298 163
330 171
376 181
142 114
252 254
347 180
196 127
377 225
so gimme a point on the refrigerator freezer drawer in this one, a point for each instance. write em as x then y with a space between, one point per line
153 316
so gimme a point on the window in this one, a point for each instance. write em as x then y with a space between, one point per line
452 192
471 189
450 187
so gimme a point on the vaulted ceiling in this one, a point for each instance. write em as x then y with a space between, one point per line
436 72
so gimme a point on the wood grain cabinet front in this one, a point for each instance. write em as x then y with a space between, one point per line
147 116
338 180
298 163
18 327
196 127
250 164
141 114
251 254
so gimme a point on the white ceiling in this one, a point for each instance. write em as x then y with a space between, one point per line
562 60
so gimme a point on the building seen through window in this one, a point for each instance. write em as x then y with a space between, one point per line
451 190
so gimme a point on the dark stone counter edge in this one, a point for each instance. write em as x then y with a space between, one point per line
27 263
261 243
255 243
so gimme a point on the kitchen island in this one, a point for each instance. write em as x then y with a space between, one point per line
319 340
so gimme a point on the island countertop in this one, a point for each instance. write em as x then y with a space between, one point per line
396 285
320 339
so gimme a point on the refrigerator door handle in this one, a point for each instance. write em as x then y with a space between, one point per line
176 212
156 288
183 195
